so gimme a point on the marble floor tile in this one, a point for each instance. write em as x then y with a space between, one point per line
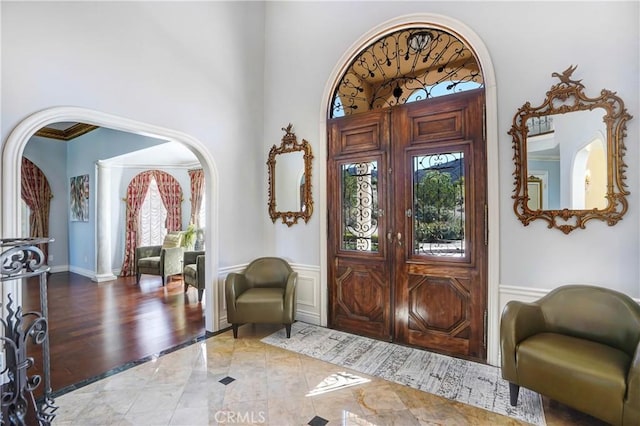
378 398
265 385
288 410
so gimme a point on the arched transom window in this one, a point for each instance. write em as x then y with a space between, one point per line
405 66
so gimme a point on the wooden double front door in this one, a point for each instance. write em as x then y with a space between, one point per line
407 224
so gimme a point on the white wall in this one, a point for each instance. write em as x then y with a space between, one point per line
527 41
573 132
196 68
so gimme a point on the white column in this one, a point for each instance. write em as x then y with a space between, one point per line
103 223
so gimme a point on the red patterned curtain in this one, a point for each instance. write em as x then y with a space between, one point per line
197 190
171 194
136 191
36 193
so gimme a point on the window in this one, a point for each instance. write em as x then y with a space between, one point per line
152 218
407 65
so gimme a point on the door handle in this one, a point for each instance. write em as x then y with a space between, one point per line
390 237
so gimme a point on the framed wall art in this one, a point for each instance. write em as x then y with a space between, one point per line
79 196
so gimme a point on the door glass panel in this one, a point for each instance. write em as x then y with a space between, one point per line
438 205
360 206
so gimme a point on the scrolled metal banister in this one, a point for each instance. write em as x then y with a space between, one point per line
22 258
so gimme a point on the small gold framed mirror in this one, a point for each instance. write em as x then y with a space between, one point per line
569 157
290 179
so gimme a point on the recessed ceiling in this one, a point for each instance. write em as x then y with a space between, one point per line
165 154
168 154
65 131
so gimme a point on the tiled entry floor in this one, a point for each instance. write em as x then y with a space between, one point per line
222 380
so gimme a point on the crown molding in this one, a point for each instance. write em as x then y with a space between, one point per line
67 134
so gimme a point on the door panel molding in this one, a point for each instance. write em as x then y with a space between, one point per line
441 295
431 290
434 299
364 138
360 294
492 137
437 127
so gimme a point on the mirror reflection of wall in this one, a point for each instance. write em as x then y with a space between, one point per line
301 189
289 167
590 176
567 151
543 155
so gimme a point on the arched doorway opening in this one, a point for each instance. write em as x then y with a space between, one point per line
11 177
492 238
589 178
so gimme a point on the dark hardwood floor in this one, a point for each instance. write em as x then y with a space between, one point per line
98 327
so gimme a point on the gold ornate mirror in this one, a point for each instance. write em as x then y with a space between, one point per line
290 180
568 154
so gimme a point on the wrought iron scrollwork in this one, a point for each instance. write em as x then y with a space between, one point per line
23 259
20 258
405 66
439 203
19 393
360 206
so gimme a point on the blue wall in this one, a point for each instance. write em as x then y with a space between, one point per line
553 186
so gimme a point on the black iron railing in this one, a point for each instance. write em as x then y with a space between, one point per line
21 258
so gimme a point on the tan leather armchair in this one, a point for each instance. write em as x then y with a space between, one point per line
193 271
264 293
164 260
579 345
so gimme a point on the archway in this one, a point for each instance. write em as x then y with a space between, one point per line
11 160
588 176
474 42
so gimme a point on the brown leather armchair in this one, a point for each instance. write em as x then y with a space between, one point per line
264 293
579 345
164 260
193 271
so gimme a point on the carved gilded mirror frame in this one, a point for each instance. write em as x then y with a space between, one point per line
290 144
564 98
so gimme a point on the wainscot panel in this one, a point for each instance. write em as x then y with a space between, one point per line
307 294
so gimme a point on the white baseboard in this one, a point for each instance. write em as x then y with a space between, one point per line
87 273
309 318
104 278
59 268
81 271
